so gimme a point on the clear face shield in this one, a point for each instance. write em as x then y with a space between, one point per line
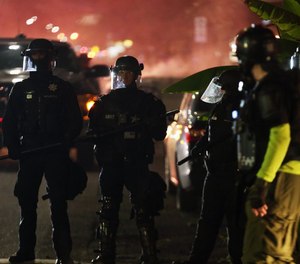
213 93
295 59
38 61
124 78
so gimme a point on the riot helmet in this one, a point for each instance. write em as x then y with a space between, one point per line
39 56
126 73
255 45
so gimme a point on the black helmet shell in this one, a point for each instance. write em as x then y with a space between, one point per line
256 44
39 63
39 45
129 63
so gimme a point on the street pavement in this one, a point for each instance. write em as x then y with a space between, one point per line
176 229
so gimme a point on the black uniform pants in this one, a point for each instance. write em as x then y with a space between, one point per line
115 176
219 203
54 166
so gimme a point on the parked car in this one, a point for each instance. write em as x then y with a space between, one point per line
187 128
68 66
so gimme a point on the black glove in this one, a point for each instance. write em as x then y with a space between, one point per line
258 192
198 150
14 153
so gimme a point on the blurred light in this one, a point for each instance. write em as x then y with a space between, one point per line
89 104
174 180
127 43
60 36
175 134
119 43
89 20
234 114
77 48
233 47
102 53
169 130
15 72
195 134
84 49
95 49
64 39
240 87
266 22
49 26
31 20
200 29
232 52
74 36
14 47
55 29
91 54
116 50
15 80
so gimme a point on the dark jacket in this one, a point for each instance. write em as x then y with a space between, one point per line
132 119
41 110
270 106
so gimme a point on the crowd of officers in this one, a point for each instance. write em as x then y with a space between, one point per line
251 152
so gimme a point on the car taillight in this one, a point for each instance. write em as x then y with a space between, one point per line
1 119
193 135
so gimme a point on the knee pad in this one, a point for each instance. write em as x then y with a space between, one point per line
109 209
108 218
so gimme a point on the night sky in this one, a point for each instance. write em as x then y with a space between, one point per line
171 37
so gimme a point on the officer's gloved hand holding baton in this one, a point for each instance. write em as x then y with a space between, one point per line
196 152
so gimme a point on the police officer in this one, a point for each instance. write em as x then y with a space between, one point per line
133 119
273 202
220 192
41 121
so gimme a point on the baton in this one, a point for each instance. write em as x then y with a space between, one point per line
210 145
172 112
29 151
184 160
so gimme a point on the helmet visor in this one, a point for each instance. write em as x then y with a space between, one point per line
31 65
213 93
28 65
123 78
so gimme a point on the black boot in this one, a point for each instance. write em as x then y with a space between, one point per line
64 261
106 233
148 243
27 237
22 257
